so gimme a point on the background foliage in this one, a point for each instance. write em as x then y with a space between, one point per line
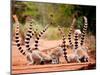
53 14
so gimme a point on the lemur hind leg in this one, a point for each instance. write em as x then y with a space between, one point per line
77 59
34 58
30 60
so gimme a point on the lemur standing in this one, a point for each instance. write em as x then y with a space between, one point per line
82 50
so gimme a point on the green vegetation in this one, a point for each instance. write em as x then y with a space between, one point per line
53 14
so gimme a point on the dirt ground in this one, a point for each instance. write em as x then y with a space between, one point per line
19 61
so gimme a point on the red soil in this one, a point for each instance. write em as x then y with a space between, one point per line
19 61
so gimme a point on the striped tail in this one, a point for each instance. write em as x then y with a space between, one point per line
17 36
29 35
63 43
64 47
39 36
84 30
76 41
70 31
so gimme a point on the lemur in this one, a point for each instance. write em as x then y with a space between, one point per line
37 41
55 54
34 57
69 57
80 51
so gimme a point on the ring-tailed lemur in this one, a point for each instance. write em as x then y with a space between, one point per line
36 57
78 54
82 50
55 54
28 37
72 56
68 57
58 50
79 51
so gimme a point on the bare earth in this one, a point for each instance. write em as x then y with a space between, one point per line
19 61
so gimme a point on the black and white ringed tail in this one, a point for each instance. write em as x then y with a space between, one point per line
76 41
84 30
39 36
70 32
17 36
29 35
63 43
